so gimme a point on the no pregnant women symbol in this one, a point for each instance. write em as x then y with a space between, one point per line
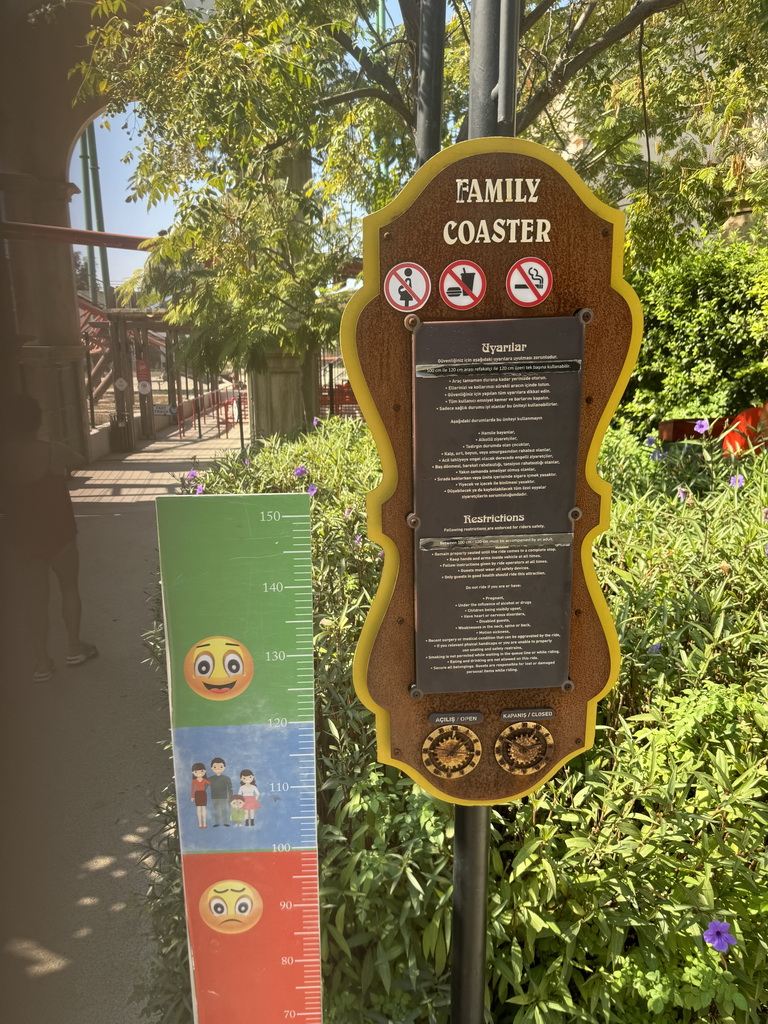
463 284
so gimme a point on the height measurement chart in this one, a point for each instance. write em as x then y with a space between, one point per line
237 596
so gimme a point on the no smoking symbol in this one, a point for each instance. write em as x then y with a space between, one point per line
462 285
407 286
529 282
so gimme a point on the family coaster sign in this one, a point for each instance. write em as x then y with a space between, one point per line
237 597
488 348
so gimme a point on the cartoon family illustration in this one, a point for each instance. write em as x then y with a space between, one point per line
228 807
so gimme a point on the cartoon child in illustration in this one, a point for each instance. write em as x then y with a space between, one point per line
250 792
198 794
221 791
237 812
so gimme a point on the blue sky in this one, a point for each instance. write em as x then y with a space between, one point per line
119 216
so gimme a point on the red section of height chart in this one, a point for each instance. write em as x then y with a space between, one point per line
254 936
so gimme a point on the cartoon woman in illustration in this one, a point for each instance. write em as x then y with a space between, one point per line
249 791
198 793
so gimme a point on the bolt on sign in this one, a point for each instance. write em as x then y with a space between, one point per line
237 596
488 348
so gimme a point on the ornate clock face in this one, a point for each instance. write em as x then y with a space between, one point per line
524 748
451 751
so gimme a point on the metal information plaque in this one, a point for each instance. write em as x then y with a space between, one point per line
496 412
488 348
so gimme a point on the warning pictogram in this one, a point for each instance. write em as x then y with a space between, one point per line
407 286
462 285
529 282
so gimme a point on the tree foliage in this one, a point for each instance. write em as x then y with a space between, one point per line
248 277
229 95
705 340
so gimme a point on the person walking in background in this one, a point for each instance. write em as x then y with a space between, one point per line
41 522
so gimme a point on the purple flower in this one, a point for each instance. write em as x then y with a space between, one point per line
765 515
701 426
654 648
358 538
649 442
737 481
312 490
347 513
300 471
766 549
191 474
247 462
315 421
380 554
658 455
682 493
200 489
718 936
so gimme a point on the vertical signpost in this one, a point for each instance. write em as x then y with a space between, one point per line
488 376
237 596
489 643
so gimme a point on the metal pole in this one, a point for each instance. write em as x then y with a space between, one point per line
472 824
93 286
470 902
429 97
240 420
109 299
331 396
89 376
508 49
483 68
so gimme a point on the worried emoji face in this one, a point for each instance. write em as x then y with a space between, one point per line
218 668
231 907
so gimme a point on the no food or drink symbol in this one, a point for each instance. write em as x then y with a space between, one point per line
407 286
529 282
462 285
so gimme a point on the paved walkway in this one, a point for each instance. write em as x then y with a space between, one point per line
84 758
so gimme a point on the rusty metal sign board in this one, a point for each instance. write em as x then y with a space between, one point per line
488 347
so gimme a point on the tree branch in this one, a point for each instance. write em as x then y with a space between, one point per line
376 74
565 69
364 92
536 15
580 25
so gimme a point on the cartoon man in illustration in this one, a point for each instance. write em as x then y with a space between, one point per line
221 792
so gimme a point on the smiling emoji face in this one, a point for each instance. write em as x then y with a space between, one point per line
218 668
231 907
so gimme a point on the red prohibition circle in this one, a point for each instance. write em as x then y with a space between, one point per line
401 291
533 290
453 289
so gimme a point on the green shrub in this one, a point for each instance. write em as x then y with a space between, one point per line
705 335
604 880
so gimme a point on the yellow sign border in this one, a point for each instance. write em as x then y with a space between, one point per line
375 499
